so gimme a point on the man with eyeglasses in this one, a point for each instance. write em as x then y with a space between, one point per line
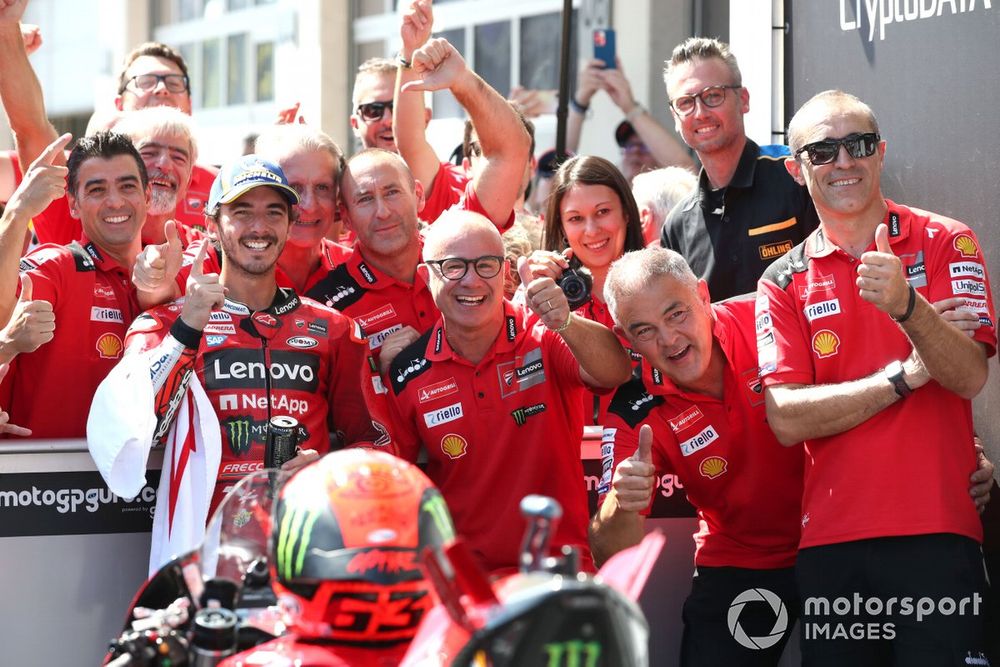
859 365
701 404
495 405
746 211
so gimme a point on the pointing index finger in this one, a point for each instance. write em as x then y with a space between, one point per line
53 150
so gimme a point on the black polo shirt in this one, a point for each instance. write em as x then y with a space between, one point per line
731 235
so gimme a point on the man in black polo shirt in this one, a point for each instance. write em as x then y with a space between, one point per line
747 211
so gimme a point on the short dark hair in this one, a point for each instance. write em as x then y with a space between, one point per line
105 145
157 50
528 125
590 170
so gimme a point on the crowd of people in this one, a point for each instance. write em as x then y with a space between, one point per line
795 347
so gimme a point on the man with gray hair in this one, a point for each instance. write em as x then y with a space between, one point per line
696 409
656 193
858 364
494 401
746 211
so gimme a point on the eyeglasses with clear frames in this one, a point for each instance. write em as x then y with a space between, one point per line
710 96
174 83
455 268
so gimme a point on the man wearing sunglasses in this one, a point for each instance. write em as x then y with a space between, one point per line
746 211
859 365
495 404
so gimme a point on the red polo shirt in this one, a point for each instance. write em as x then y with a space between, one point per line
452 188
904 471
746 487
50 390
495 432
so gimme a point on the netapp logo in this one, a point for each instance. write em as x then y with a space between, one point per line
245 369
967 270
884 12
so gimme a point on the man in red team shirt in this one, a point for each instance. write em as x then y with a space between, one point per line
495 406
697 410
858 365
81 293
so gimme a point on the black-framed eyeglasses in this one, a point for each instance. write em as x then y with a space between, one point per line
174 83
710 96
824 152
373 111
455 268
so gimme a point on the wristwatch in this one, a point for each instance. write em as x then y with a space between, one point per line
894 373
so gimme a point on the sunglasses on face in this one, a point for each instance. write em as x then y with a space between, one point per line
455 268
711 96
174 83
373 111
824 152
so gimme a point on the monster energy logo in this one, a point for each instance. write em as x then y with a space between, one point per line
521 414
436 507
293 541
574 653
242 432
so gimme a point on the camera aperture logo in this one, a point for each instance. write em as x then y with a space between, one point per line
780 619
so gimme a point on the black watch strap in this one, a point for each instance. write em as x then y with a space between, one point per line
894 373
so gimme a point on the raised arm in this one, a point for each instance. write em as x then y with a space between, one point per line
603 360
410 116
20 92
658 139
956 361
619 522
503 140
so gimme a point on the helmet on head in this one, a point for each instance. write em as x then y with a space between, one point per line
347 536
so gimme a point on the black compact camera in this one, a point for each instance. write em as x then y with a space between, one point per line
576 283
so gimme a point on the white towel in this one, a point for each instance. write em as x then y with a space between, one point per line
119 434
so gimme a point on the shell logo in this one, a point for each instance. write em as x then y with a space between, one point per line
109 346
825 343
965 245
454 446
713 466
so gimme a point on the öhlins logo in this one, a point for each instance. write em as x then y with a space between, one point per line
773 250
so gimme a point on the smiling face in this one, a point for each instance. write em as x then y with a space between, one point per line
381 201
252 230
133 97
670 324
471 303
593 221
169 164
708 129
847 187
110 202
311 173
374 87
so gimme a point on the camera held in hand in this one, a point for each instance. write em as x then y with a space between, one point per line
576 283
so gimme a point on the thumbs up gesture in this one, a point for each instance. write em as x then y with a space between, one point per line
633 481
880 276
31 325
44 181
438 64
204 293
157 265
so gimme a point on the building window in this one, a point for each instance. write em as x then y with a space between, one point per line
236 86
492 59
265 72
211 82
